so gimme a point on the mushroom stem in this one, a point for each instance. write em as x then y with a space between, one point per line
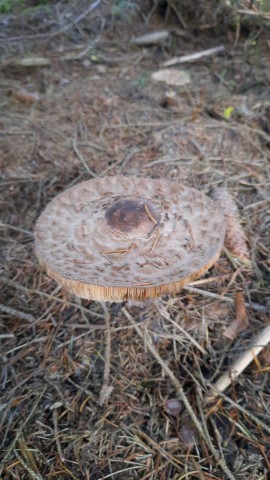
106 389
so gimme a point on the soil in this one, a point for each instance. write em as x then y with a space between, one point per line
92 109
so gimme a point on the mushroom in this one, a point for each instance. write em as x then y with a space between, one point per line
127 238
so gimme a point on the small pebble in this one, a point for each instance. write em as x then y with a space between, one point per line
173 407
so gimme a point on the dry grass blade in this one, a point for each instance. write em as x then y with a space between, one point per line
19 431
32 474
166 315
54 408
27 459
47 295
239 407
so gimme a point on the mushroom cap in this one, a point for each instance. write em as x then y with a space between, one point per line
119 238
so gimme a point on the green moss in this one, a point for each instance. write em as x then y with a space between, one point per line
7 6
22 6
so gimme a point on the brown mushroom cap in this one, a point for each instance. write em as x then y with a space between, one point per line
119 238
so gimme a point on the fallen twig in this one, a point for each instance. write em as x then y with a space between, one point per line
205 293
218 278
56 431
241 363
193 56
80 17
3 336
16 229
254 14
16 313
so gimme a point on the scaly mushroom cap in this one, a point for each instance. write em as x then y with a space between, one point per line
119 238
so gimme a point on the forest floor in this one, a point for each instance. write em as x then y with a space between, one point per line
78 101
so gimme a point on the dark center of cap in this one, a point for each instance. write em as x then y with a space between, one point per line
132 214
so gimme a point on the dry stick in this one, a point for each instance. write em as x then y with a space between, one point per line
81 16
205 293
19 431
84 390
56 435
106 388
218 278
76 150
177 13
254 14
15 313
242 362
193 56
180 392
16 229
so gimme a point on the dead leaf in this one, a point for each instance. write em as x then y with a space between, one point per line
151 38
172 77
235 238
23 96
216 310
241 321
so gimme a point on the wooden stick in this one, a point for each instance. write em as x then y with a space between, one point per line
193 56
16 313
242 362
223 298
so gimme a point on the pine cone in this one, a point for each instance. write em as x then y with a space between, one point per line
235 239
